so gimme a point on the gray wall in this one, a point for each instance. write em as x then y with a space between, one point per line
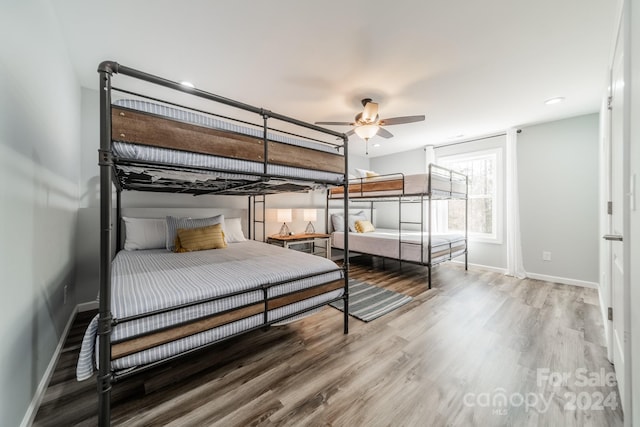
407 162
39 158
558 183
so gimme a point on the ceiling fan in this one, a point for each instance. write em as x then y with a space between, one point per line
368 123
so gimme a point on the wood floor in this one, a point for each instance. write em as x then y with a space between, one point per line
479 349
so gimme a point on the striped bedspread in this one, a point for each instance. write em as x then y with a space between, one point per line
143 281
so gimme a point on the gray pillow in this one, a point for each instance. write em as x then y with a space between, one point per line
173 223
337 221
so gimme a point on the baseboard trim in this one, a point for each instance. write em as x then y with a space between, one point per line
87 306
482 267
32 410
536 276
563 280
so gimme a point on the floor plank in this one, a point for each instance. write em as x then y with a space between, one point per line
448 358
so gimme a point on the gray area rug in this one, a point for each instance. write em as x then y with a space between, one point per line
368 302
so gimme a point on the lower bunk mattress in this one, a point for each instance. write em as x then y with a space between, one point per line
386 243
149 280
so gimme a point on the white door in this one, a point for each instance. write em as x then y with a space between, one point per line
616 259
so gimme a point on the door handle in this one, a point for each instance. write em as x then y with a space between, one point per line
613 237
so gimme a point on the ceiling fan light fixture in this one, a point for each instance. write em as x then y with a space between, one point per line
366 131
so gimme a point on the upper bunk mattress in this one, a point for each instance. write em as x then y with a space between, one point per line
148 280
393 185
146 153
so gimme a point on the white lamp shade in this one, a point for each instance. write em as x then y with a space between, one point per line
284 215
366 131
310 215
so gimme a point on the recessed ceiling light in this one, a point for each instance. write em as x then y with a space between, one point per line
555 100
187 84
376 145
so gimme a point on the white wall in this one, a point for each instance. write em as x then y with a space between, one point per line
558 183
39 157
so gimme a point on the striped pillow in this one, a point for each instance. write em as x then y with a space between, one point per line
173 223
199 239
364 226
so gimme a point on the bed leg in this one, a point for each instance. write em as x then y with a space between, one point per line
429 274
346 314
466 260
104 400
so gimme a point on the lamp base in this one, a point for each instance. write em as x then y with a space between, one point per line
310 229
284 230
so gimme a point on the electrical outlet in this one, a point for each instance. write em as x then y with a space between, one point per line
546 256
64 294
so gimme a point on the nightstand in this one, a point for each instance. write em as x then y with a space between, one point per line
309 243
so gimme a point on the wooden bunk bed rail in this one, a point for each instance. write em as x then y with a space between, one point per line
149 129
137 344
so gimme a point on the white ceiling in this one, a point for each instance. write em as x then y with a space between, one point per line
472 67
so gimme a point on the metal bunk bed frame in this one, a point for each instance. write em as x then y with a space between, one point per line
108 177
409 198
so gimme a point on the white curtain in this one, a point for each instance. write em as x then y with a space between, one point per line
430 155
439 211
515 267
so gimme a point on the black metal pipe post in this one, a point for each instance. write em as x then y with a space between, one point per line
400 232
466 224
345 265
326 213
265 141
249 217
422 228
429 220
105 317
119 218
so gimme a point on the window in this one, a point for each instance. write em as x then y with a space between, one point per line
484 205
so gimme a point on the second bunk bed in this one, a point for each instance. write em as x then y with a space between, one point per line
413 240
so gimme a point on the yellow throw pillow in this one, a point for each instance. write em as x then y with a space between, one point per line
371 174
364 226
198 239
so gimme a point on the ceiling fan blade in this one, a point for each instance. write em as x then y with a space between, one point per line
351 132
401 120
335 123
384 133
370 112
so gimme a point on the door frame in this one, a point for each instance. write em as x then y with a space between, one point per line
624 37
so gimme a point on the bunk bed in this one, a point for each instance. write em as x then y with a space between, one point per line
412 240
156 306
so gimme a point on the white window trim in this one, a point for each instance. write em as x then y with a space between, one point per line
498 196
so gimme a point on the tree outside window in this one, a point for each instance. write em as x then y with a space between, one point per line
481 168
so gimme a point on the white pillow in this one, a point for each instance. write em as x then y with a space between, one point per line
233 230
144 233
363 173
